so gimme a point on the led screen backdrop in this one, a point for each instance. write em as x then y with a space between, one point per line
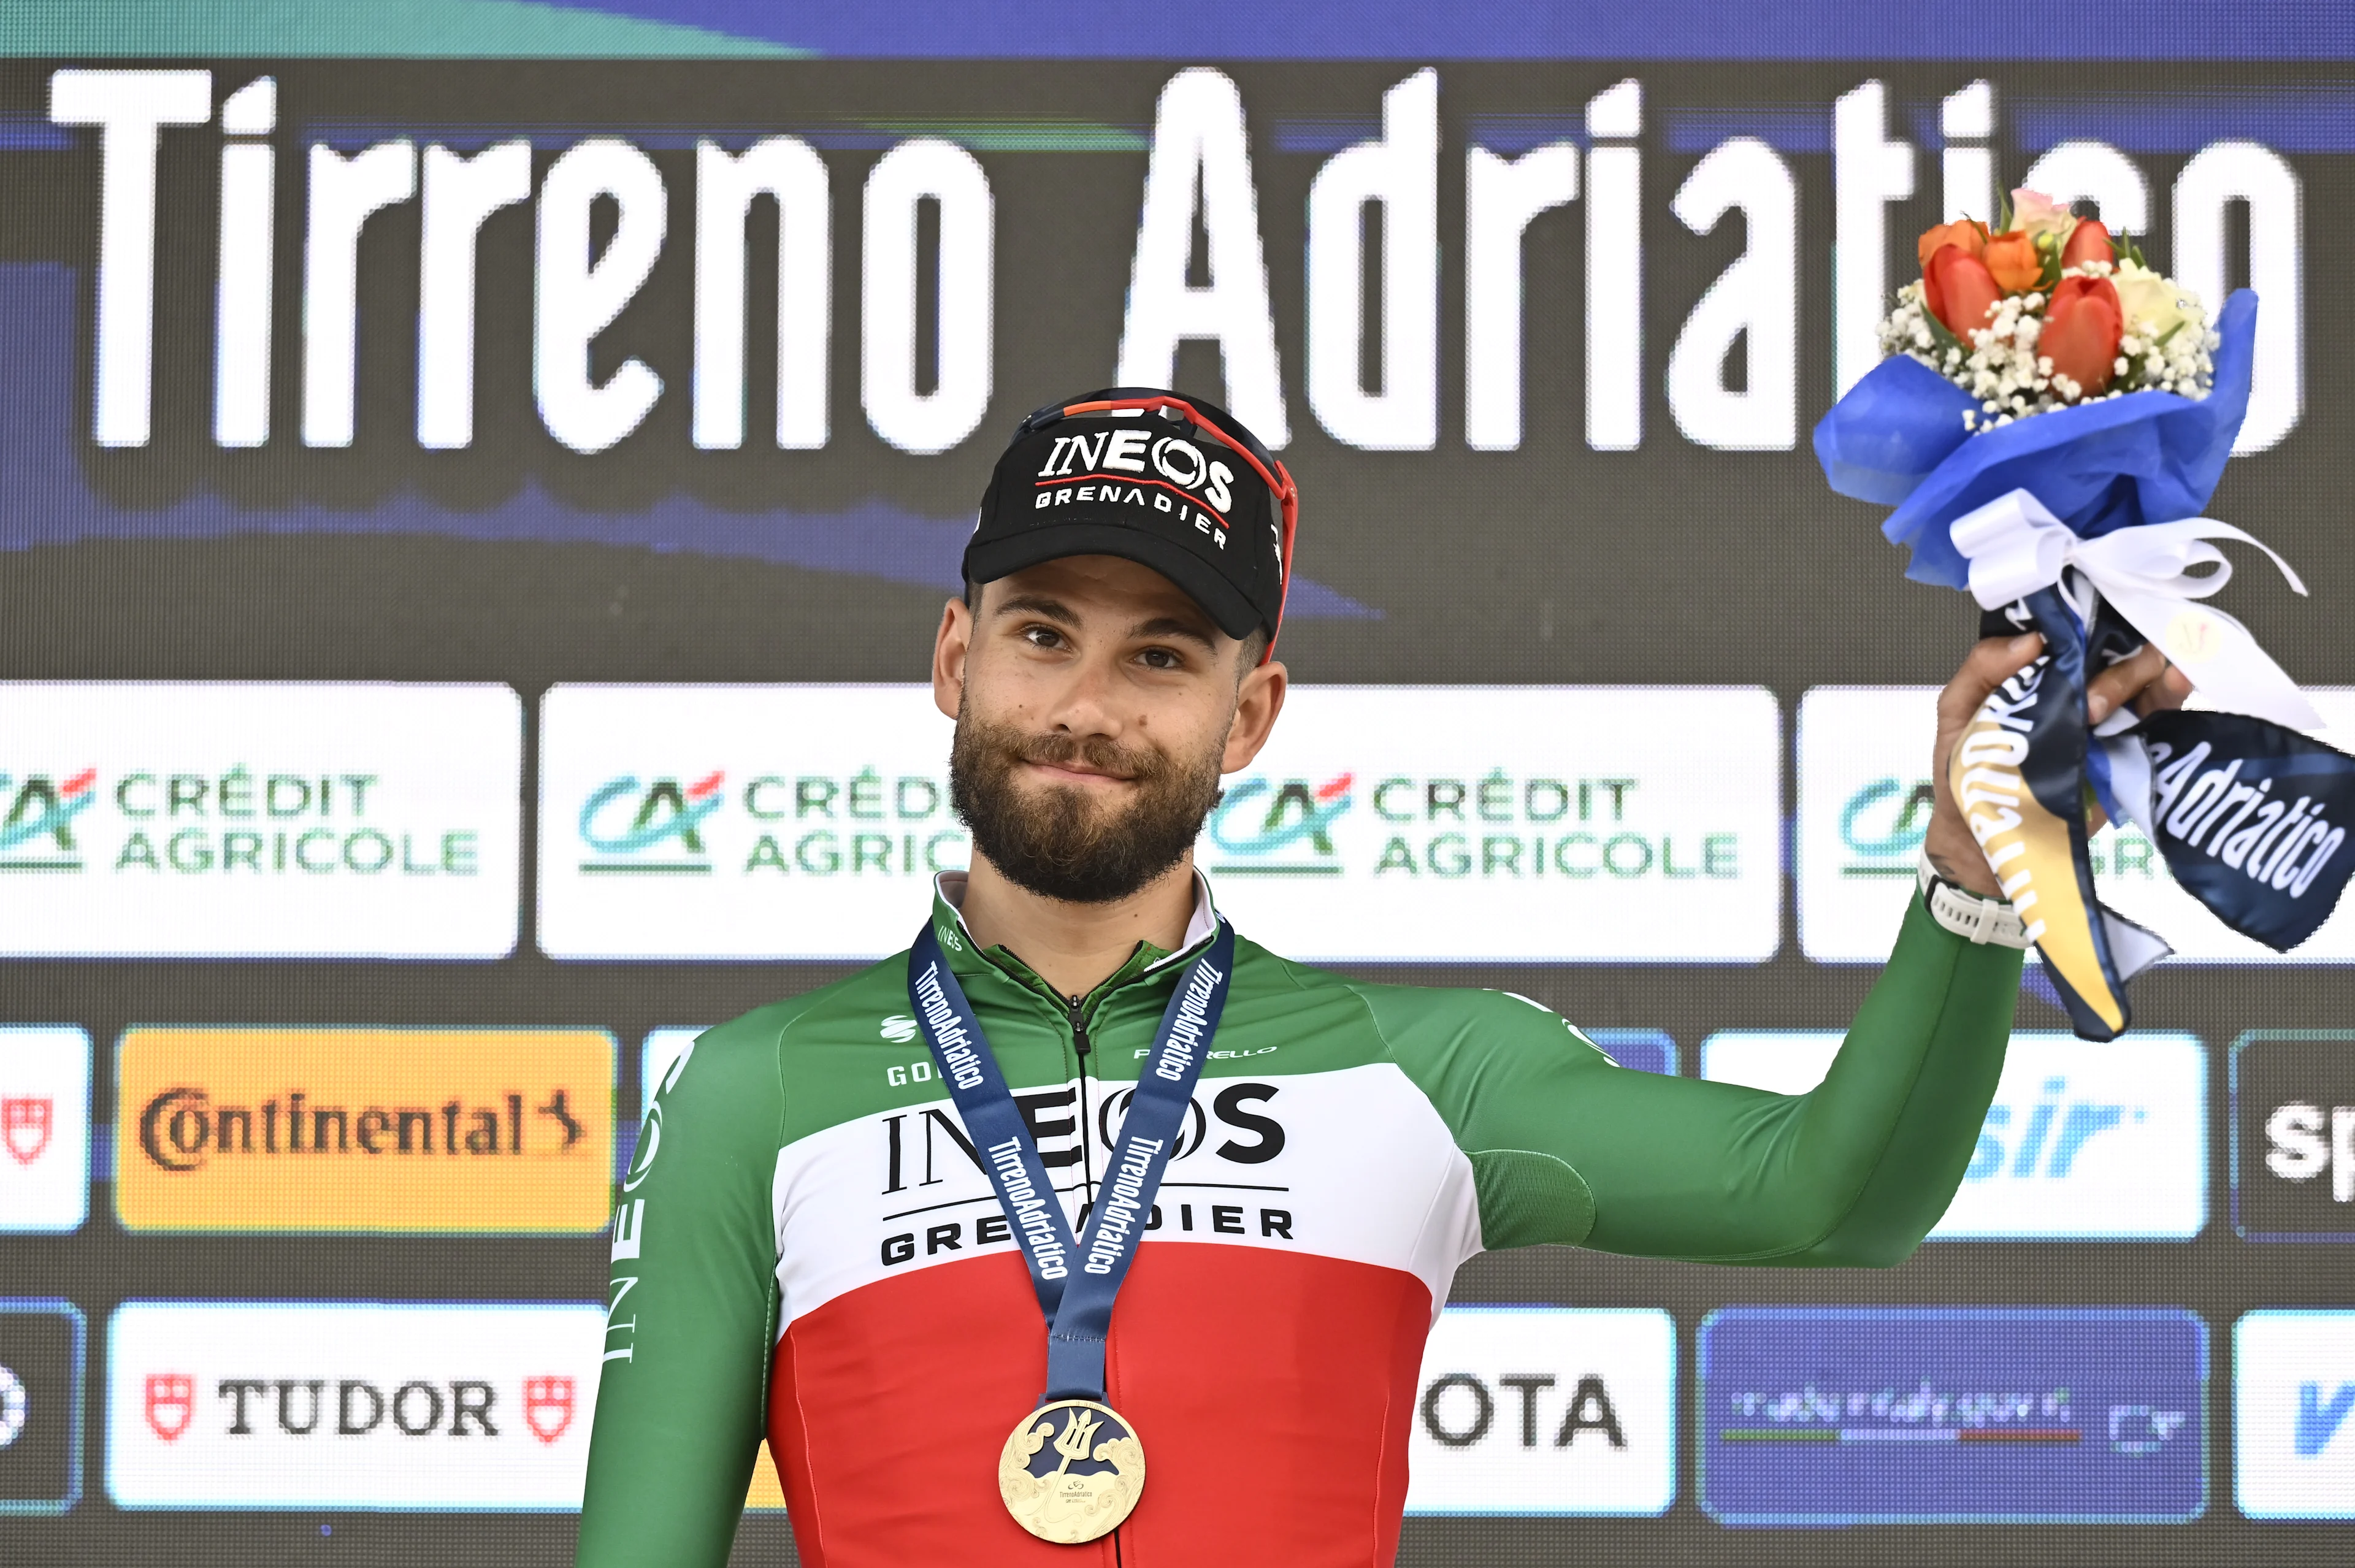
476 484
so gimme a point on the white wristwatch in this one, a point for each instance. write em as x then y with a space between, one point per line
1967 914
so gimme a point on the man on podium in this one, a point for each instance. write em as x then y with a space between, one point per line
1128 1254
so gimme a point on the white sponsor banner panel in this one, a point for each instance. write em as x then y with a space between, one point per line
1508 823
260 819
43 1128
1382 823
277 1405
2085 1140
740 821
1533 1409
1864 804
2293 1414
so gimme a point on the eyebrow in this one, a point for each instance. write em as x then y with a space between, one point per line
1055 610
1173 626
1040 605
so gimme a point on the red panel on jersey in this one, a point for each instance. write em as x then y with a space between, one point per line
1274 1391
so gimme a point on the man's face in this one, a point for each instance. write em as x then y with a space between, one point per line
1096 706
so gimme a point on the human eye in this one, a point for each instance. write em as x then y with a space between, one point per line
1040 635
1168 659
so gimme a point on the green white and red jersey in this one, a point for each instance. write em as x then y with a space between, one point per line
808 1250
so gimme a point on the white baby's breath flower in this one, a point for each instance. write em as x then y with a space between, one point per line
1998 363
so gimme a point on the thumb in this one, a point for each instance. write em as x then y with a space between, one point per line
1991 663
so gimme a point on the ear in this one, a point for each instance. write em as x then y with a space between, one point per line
1258 700
951 646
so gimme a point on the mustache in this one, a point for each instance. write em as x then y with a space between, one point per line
1057 841
1099 754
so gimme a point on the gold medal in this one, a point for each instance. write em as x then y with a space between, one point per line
1072 1471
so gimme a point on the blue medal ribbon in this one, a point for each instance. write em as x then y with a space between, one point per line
1076 1280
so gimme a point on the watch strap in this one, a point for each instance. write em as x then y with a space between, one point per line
1968 914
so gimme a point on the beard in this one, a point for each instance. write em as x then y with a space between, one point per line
1056 841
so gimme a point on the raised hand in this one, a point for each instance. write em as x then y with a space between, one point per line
2147 681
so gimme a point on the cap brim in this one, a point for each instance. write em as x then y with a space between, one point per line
1201 582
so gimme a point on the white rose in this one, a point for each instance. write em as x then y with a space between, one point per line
2153 305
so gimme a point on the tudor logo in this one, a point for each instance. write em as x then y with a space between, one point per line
548 1405
25 1121
171 1403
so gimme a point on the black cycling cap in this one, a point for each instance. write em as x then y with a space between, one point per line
1171 482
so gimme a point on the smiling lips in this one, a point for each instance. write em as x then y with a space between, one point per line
1090 774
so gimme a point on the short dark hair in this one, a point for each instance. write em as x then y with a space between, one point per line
1255 646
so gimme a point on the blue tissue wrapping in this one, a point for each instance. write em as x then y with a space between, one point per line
1898 438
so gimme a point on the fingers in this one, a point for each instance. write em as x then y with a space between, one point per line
1991 663
2168 691
2123 682
2146 680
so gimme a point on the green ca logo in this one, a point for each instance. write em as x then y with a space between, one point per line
651 827
1281 830
1883 824
37 834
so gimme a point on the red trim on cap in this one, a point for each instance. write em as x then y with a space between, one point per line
1288 494
1191 499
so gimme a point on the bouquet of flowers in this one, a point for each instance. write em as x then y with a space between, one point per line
2051 419
2046 314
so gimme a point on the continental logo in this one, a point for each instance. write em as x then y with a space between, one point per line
433 1130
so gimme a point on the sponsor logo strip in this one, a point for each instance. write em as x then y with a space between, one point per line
1383 823
44 1128
42 1353
2293 1414
740 822
236 1405
2085 1141
1904 1416
2294 1136
1541 823
304 820
364 1130
1532 1410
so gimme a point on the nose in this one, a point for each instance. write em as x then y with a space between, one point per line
1087 702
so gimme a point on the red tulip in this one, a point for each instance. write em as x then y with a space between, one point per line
2082 328
1959 290
2089 241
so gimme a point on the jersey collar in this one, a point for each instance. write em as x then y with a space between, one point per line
967 956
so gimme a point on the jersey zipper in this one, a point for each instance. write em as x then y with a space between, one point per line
1080 1048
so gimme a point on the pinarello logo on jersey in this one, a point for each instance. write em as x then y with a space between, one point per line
37 832
171 1403
1265 828
634 825
24 1126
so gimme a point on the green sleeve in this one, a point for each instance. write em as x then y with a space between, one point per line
1567 1148
692 1312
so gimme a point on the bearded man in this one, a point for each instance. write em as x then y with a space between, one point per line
1132 1259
